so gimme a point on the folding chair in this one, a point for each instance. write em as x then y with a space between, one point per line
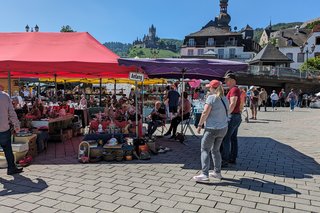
163 127
187 125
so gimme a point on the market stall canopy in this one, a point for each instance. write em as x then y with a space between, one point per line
104 81
194 68
37 54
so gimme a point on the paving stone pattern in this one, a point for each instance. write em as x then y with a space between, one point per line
277 171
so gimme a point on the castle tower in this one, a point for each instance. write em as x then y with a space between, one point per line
152 32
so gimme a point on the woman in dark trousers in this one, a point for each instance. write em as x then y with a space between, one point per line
215 118
176 120
8 117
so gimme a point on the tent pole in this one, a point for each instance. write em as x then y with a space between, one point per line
38 89
9 82
142 98
100 98
115 87
55 87
182 100
136 100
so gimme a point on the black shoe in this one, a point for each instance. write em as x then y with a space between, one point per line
167 134
15 171
233 161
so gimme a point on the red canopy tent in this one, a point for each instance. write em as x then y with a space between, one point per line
37 54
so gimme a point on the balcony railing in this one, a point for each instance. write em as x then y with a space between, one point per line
231 43
212 44
280 72
235 56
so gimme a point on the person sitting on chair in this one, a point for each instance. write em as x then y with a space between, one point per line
186 115
157 118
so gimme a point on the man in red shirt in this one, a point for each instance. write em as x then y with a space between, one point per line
229 146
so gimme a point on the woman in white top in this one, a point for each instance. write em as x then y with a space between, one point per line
215 117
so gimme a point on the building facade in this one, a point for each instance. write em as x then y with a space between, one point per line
266 35
216 40
295 42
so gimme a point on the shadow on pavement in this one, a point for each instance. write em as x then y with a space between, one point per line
270 120
257 155
258 122
21 185
256 184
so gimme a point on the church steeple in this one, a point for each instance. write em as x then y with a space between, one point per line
223 6
224 19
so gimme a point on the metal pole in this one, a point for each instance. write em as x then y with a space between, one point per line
100 98
65 85
136 100
55 87
9 82
115 87
182 100
142 99
38 90
307 52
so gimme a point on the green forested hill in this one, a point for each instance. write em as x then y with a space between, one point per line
119 48
146 53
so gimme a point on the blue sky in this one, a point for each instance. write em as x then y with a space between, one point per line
124 20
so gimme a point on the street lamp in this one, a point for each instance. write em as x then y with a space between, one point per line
36 28
307 52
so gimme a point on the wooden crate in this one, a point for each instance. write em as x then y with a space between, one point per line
33 151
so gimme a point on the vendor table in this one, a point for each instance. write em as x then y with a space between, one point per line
84 116
54 124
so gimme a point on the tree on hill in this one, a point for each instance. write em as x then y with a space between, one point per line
170 44
312 25
312 65
67 29
119 48
282 26
140 52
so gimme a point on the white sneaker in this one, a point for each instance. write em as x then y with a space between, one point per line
201 178
215 175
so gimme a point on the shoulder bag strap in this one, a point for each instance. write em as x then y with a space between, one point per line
225 107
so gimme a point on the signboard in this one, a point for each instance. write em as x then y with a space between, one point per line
136 76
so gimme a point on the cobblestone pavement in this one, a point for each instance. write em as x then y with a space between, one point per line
277 171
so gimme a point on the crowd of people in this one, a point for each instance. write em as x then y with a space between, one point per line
221 116
257 98
221 119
